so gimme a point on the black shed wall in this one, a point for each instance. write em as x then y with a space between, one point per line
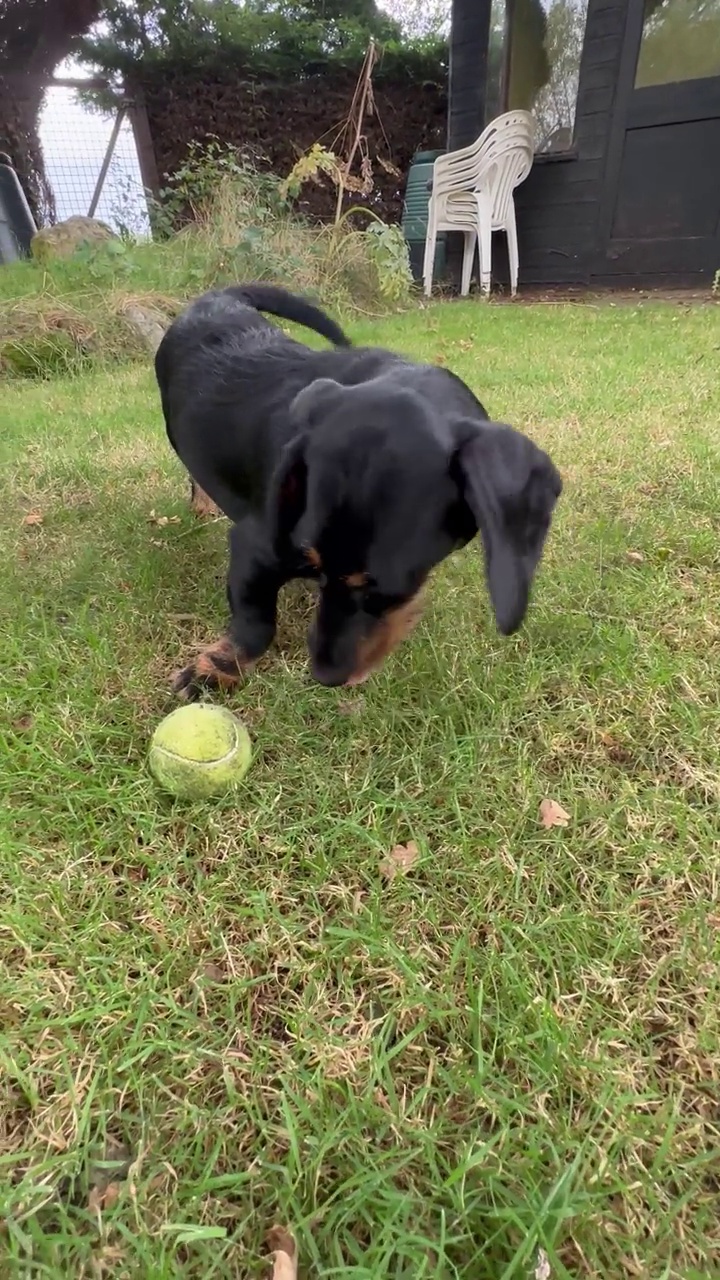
558 207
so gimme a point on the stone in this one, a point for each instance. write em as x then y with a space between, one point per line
65 238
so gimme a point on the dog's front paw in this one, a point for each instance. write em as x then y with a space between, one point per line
219 666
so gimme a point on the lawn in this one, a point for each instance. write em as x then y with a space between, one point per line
503 1062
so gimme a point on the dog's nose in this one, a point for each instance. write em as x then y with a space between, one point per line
331 677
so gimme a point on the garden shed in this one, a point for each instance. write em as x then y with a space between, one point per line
625 188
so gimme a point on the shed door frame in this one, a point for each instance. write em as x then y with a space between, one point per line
694 99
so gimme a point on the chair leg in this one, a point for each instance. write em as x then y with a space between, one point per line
485 244
429 260
468 261
511 232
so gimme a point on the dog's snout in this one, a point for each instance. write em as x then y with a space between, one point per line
331 677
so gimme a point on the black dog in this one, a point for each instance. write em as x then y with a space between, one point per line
352 466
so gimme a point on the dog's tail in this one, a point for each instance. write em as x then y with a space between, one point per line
280 302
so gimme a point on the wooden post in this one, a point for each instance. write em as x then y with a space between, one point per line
467 89
144 144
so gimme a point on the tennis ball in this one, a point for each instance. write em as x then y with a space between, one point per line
200 751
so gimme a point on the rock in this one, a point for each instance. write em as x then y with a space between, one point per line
146 325
62 240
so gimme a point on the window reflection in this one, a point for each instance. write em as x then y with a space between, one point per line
534 64
680 41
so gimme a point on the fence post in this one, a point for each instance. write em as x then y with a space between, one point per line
120 116
144 144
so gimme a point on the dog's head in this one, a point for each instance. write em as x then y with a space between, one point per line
374 496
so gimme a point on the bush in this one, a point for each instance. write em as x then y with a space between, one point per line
62 315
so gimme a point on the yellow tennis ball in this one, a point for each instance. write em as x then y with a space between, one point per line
199 751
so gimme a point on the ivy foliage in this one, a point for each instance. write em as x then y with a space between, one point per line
275 39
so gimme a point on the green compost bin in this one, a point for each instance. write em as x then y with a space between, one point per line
415 214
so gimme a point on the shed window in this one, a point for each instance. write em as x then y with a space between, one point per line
680 41
534 63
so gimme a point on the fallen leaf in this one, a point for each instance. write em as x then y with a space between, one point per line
552 814
351 706
162 521
399 860
358 902
636 557
23 723
542 1270
33 517
282 1246
615 749
103 1197
213 972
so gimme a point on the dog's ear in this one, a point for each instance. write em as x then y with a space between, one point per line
511 487
313 401
287 496
287 493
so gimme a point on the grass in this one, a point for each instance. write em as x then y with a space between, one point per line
68 315
221 1016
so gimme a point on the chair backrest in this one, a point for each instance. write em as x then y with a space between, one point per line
505 157
495 163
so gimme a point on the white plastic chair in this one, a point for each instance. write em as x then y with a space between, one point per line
472 192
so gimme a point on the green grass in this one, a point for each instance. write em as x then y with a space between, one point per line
66 316
511 1049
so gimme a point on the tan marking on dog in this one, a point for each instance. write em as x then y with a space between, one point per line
356 579
211 663
389 632
314 557
200 503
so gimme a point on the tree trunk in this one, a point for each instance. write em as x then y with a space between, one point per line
20 106
35 35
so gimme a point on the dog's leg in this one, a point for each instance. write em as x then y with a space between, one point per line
200 503
254 580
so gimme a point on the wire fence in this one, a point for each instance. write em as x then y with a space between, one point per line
93 163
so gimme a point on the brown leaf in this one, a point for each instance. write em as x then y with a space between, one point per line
33 517
389 167
399 860
23 724
351 706
552 814
162 521
282 1246
213 972
636 557
103 1197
